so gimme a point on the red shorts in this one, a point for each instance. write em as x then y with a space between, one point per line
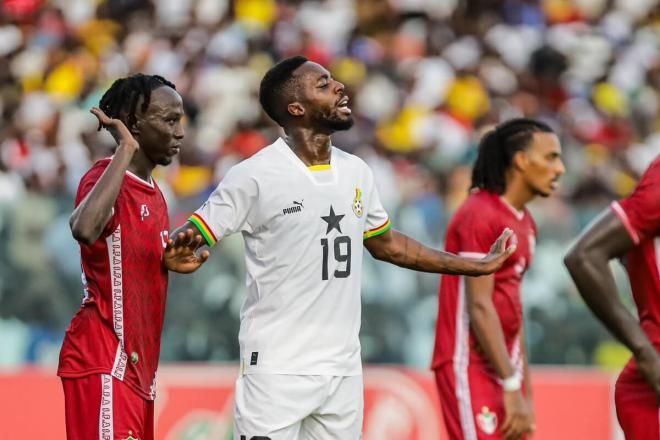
636 405
101 407
472 402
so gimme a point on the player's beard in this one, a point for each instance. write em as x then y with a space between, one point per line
333 121
541 193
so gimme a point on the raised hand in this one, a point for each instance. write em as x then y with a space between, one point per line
180 253
498 253
116 128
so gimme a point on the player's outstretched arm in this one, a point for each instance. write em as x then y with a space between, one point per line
181 250
588 263
93 213
397 248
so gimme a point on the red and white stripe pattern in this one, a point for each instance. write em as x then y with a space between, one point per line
461 361
106 423
621 214
116 285
618 210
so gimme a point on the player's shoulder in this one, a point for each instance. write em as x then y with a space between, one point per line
479 208
353 162
652 173
481 203
648 187
96 170
345 156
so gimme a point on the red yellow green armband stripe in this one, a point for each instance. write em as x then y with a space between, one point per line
377 231
204 229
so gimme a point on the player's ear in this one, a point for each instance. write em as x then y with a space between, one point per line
520 160
134 128
296 109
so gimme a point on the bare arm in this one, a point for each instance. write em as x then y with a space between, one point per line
93 213
588 263
486 325
401 250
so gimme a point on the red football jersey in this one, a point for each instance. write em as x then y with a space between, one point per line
471 232
118 328
640 213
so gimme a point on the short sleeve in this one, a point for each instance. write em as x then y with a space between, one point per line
377 221
477 230
86 185
228 208
640 212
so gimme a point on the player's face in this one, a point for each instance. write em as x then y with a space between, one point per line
160 127
542 165
324 99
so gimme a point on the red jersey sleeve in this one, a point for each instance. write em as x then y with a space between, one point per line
640 212
477 231
86 184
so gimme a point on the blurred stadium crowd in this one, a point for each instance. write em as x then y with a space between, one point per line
425 78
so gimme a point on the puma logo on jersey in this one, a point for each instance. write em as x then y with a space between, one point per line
144 212
297 207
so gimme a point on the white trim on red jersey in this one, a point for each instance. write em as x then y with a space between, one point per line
113 242
619 212
461 362
149 183
106 422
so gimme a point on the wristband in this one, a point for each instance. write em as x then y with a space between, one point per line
512 383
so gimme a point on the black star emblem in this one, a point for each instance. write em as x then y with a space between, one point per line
332 220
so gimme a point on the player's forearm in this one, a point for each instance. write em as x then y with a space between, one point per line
404 251
93 213
595 283
488 330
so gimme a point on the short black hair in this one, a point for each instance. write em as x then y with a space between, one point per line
123 95
497 148
276 86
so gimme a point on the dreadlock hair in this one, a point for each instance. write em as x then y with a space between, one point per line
121 99
497 148
276 86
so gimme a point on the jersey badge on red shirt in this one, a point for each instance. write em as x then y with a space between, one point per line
487 420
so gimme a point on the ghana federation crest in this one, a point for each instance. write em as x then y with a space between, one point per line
487 420
358 206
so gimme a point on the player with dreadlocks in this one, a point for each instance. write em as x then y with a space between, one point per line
110 351
479 359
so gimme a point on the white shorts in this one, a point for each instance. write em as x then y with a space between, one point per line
288 407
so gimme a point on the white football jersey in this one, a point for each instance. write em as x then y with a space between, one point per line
303 229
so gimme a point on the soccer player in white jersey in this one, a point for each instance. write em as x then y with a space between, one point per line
305 208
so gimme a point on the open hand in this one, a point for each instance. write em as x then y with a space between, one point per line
498 254
116 128
180 256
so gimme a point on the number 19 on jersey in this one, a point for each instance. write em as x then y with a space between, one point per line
341 254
